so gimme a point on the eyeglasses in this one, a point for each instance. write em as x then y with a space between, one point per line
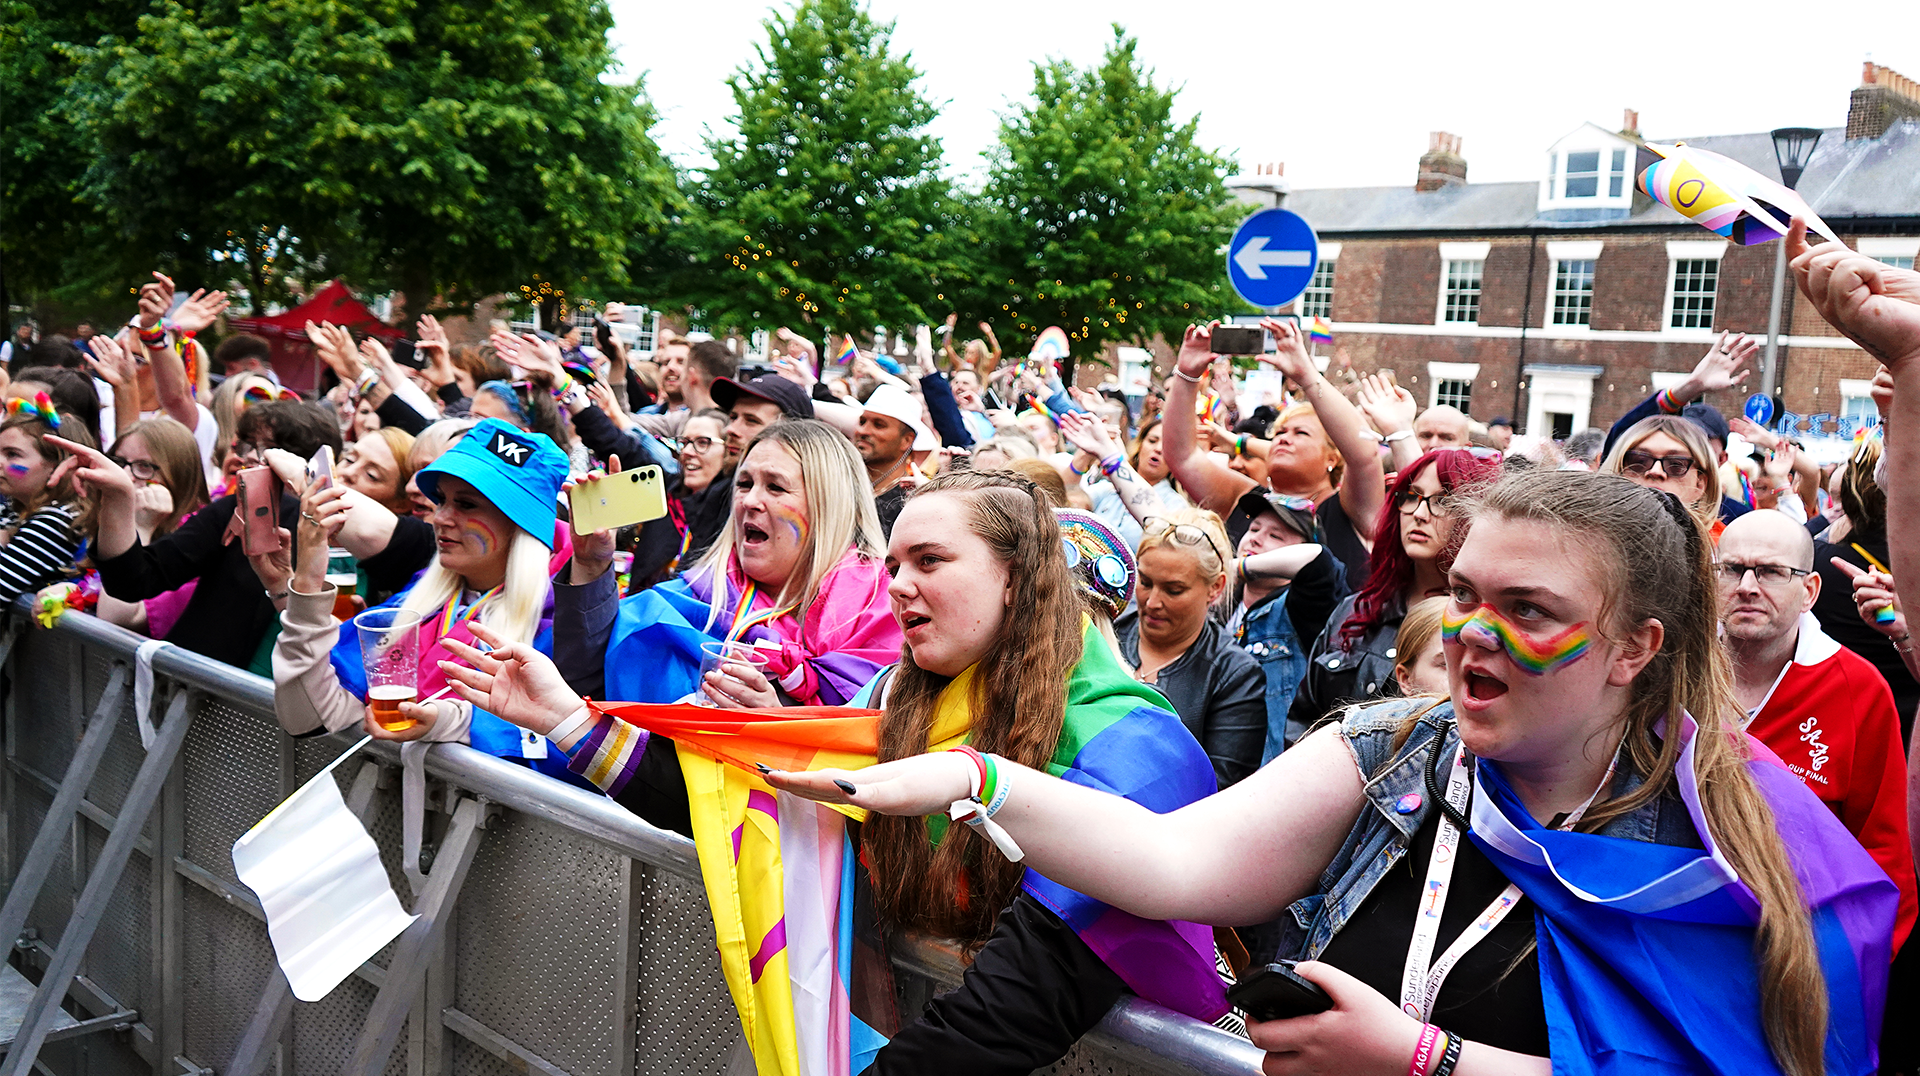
1409 502
144 470
1184 534
1771 575
1636 462
700 445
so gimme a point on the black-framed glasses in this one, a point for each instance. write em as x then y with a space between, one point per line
1437 504
1771 575
1636 462
1185 534
700 445
144 470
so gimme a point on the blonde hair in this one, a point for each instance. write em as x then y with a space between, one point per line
1214 560
839 510
1293 411
226 409
400 443
435 440
1658 565
523 593
1707 508
1417 629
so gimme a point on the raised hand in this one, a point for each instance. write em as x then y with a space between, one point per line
1088 434
111 362
1724 365
603 398
338 355
376 355
1872 592
199 310
1753 432
1387 406
1290 351
156 298
1196 350
592 550
1874 304
512 681
798 371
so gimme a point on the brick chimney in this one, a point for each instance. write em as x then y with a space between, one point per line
1441 166
1630 124
1884 97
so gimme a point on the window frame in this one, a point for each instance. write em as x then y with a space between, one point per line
1439 372
1316 301
1680 251
1458 253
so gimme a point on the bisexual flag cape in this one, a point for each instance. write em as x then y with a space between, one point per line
779 869
1647 961
819 658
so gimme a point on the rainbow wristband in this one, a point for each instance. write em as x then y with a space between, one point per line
154 337
998 789
562 385
1077 471
1112 464
1668 403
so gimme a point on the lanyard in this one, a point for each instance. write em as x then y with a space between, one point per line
743 615
1421 980
452 614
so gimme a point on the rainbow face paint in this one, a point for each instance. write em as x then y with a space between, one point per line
795 522
479 534
1535 657
18 470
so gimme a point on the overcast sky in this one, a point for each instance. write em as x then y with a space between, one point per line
1344 93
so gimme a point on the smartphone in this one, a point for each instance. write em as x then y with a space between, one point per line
407 355
1277 992
320 469
1237 340
258 502
616 500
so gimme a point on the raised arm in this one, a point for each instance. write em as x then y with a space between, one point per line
1722 367
1363 488
1211 484
1391 409
1283 563
1089 435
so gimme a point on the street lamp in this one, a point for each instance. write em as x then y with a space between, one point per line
1792 148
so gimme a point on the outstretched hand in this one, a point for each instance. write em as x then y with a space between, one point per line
1087 433
200 309
1724 364
1387 406
1290 351
1196 350
921 785
511 681
111 362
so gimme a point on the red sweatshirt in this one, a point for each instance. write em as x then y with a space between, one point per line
1830 718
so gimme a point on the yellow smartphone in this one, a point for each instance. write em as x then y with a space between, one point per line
616 500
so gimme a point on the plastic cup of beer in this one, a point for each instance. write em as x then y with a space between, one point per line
390 653
343 575
715 654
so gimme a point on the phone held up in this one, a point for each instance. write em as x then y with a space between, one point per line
258 506
1237 340
616 500
1277 992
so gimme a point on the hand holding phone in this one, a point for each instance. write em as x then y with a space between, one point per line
257 504
1237 340
616 500
320 470
1277 992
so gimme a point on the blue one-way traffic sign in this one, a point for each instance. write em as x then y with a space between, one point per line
1272 257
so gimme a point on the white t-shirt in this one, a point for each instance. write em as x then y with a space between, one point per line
206 432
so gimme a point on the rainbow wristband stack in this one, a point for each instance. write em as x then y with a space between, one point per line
1112 464
1668 403
987 792
562 385
154 337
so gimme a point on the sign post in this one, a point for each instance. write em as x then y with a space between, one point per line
1272 257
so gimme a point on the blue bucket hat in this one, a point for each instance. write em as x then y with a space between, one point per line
519 472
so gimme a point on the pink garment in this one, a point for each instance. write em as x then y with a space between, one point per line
164 610
849 632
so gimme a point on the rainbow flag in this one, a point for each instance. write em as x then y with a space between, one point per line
778 869
848 352
1319 330
1051 345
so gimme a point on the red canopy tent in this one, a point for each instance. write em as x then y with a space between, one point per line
294 357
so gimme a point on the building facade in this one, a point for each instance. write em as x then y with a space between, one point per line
1563 302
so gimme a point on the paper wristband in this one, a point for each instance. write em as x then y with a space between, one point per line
580 719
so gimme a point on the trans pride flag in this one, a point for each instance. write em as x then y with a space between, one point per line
778 869
1647 950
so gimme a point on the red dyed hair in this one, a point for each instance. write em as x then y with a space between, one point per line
1460 471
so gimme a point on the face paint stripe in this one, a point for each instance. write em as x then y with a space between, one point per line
1533 656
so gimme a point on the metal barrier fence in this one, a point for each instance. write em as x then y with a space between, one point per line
580 942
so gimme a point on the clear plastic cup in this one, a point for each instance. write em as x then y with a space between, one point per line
713 655
390 653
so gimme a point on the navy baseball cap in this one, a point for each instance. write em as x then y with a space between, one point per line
519 472
1709 419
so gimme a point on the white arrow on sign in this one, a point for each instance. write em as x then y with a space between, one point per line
1254 258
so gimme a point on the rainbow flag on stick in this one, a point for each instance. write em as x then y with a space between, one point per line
1319 330
1720 194
848 352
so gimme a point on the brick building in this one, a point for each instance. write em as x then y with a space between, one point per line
1563 302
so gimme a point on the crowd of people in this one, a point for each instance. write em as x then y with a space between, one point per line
1198 666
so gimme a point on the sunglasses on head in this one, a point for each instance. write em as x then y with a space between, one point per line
258 393
1185 534
1636 462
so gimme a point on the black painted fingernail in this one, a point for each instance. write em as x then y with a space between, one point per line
846 787
763 767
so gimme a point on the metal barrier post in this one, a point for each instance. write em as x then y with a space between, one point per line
418 943
66 803
154 772
269 1021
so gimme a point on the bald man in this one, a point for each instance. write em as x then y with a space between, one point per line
1823 709
1442 426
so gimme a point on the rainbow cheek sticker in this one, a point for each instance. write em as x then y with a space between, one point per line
1535 657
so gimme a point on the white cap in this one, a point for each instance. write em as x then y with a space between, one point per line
898 404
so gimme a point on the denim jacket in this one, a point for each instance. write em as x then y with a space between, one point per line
1266 634
1382 835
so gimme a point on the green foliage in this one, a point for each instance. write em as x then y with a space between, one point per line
1106 218
827 208
455 149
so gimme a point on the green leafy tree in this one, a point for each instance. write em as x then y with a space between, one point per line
827 207
1106 217
447 150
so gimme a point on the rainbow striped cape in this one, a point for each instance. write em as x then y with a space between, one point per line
778 869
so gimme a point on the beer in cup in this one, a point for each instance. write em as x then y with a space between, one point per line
390 653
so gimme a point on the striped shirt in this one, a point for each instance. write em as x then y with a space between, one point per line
42 551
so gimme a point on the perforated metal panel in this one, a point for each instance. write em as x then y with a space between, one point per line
232 765
55 902
471 1060
226 960
120 956
549 945
686 1020
48 670
324 1031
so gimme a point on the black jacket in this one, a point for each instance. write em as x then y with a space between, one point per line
1219 691
1338 674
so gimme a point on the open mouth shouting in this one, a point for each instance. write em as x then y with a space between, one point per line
1481 688
752 535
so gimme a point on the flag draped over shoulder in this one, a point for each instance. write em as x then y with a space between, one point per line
778 869
1647 961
